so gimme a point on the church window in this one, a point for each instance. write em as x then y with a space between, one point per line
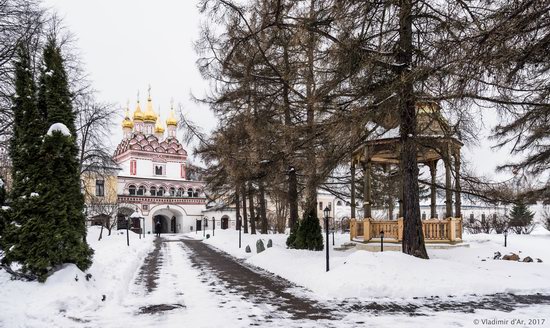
141 191
133 167
196 193
161 191
182 171
321 206
180 192
172 191
132 190
339 203
153 191
190 192
159 170
100 187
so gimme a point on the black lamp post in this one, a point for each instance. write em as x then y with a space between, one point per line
196 226
327 213
127 235
505 237
381 241
240 227
213 225
205 223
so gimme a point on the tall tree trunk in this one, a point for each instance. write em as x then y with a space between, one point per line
311 172
251 208
292 180
413 238
245 221
263 214
238 221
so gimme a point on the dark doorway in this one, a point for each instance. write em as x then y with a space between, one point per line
164 223
199 225
173 224
225 222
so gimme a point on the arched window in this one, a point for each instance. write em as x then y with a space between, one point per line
141 191
161 191
132 190
196 193
172 191
180 192
153 191
190 192
339 203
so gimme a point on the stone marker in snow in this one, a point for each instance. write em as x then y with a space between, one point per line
260 246
269 243
511 257
59 127
247 249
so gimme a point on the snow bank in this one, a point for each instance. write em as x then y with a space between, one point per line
67 293
59 127
362 274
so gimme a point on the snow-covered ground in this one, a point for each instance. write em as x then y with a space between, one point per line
362 274
66 293
68 300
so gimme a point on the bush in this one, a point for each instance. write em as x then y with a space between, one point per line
521 219
496 222
546 218
308 235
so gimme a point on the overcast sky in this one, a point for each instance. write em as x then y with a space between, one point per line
128 44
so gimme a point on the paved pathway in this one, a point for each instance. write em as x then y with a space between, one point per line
202 279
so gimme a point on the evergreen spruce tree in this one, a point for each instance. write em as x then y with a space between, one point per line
28 127
308 235
521 219
25 145
54 97
51 229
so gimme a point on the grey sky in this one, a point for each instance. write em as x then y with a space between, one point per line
129 44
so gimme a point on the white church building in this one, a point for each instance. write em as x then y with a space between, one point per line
153 183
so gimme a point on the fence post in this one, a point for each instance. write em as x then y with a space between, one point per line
366 229
452 228
352 229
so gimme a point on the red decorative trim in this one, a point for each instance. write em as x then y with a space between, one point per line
161 200
133 167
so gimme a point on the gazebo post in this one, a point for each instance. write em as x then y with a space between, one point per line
458 202
366 186
433 197
352 188
400 201
448 191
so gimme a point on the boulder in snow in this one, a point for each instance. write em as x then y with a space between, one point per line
539 260
260 246
59 127
511 257
527 259
497 256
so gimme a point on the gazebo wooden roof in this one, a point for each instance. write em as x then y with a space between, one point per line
434 142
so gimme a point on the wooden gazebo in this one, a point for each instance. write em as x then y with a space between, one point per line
434 143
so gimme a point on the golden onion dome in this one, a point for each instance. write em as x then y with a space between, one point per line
138 114
158 126
149 115
171 120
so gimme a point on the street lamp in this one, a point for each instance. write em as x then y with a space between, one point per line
327 213
240 226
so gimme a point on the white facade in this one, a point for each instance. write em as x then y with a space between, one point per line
153 181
